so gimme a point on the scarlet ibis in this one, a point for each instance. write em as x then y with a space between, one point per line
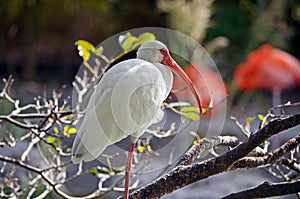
268 68
126 101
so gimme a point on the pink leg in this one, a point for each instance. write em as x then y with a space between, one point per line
276 98
127 170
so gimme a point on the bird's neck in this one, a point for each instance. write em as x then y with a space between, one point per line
167 75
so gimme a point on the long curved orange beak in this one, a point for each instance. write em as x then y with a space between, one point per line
168 61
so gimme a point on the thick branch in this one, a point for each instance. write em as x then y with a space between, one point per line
268 190
206 144
181 176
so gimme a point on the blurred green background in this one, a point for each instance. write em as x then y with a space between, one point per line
37 36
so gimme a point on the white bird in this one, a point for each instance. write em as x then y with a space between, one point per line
126 101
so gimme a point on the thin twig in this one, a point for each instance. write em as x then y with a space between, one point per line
271 158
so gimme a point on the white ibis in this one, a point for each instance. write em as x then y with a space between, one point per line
126 101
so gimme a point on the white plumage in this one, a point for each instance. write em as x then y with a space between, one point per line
125 102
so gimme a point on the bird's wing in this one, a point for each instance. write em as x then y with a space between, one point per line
124 103
87 140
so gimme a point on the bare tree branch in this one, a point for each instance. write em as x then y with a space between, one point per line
181 176
4 94
19 163
271 158
204 145
267 190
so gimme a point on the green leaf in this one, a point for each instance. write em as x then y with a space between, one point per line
191 112
51 139
55 130
248 120
66 128
122 38
149 148
143 38
68 131
85 45
99 172
191 116
128 43
85 48
190 109
141 149
117 171
93 171
261 117
72 131
85 54
39 190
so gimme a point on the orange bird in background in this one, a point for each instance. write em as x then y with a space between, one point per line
207 82
268 68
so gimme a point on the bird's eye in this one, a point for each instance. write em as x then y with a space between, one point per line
163 51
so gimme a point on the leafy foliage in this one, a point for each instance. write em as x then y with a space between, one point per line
129 42
186 110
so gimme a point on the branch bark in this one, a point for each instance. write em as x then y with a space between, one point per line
205 144
267 190
181 176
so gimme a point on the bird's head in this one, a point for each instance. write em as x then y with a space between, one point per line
151 51
158 53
